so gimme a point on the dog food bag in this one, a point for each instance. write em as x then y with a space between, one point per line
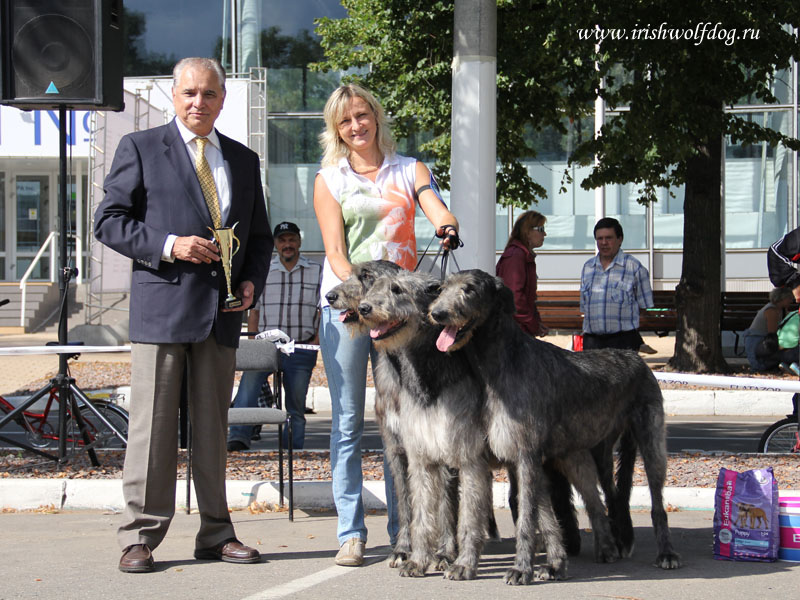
746 516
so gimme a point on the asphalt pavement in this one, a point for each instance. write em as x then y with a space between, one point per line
74 556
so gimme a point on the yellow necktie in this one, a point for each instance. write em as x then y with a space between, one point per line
207 182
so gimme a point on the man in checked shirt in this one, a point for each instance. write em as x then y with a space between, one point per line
614 287
290 302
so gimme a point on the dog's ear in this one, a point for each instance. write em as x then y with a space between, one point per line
505 297
432 288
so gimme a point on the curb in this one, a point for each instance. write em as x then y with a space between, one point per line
106 494
751 403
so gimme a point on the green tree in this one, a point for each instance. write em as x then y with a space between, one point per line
671 134
672 92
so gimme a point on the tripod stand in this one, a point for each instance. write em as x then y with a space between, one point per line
68 392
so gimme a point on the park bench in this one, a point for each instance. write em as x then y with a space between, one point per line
560 310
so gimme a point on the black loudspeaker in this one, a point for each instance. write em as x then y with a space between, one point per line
64 52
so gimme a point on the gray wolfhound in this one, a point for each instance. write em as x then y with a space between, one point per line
543 402
440 403
346 297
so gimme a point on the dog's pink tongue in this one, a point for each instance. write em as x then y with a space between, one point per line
380 330
446 338
343 315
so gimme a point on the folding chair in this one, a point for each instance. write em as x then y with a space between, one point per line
257 355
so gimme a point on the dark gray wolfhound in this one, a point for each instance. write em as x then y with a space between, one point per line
543 402
440 403
346 297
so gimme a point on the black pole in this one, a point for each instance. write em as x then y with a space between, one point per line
65 272
64 393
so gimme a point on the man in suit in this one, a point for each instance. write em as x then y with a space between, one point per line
157 212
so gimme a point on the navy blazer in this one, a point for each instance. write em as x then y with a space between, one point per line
152 191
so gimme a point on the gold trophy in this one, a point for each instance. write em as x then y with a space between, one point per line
224 237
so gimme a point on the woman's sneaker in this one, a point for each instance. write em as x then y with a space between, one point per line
351 554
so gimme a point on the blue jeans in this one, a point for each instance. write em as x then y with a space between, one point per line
345 359
787 355
297 368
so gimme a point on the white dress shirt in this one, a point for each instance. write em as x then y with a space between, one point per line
219 169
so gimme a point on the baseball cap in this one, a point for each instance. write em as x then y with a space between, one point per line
285 227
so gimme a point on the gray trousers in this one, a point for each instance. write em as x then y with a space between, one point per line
150 471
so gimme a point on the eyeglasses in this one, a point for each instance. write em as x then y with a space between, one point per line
539 228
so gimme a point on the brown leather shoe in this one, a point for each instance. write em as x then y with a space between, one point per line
232 551
136 559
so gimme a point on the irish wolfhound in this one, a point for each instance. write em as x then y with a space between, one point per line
543 402
440 402
346 297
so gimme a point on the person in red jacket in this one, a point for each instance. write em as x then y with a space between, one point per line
517 269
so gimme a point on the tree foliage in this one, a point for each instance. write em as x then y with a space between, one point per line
676 90
670 133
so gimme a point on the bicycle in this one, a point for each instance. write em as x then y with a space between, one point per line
41 433
783 437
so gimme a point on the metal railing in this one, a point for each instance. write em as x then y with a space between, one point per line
23 282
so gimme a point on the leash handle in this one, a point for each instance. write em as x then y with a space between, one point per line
445 253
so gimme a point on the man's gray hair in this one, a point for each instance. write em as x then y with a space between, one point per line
212 64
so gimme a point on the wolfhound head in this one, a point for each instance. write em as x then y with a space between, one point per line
348 295
395 308
466 301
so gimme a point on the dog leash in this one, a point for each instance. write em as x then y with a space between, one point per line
445 253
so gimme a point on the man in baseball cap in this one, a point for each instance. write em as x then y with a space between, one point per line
286 227
290 303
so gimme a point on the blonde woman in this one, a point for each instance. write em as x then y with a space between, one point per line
365 198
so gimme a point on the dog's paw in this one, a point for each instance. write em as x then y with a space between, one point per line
516 576
412 569
668 560
551 572
460 573
441 563
397 558
606 553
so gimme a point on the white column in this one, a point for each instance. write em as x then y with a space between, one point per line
473 160
599 121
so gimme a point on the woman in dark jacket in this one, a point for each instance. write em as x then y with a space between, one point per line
517 269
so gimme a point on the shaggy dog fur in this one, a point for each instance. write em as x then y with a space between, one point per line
346 297
441 403
543 402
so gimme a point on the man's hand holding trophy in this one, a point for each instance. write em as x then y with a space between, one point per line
225 238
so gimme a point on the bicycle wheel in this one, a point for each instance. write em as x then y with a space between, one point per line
102 435
781 438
